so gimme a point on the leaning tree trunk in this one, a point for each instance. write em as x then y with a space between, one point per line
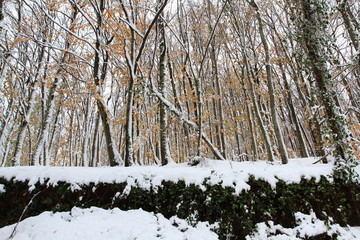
258 116
185 120
251 78
313 29
99 75
303 150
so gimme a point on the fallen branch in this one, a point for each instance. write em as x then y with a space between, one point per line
184 119
22 215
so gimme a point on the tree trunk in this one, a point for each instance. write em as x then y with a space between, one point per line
312 31
302 145
129 151
94 143
352 26
219 102
99 75
278 134
22 129
164 140
264 131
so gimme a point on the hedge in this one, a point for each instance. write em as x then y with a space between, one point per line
236 214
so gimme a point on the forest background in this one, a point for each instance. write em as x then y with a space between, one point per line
124 82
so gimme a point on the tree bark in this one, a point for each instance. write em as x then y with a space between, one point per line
312 30
278 134
164 140
99 75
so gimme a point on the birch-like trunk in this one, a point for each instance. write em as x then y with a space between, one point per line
44 129
164 140
22 129
129 150
5 126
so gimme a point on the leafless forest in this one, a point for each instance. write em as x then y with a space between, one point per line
124 82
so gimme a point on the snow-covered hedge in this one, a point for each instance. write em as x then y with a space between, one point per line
236 214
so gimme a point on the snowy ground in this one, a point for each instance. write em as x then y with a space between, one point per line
308 226
99 224
227 173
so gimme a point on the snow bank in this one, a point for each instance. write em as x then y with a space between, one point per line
234 174
96 223
308 226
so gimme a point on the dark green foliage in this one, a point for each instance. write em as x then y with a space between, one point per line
236 214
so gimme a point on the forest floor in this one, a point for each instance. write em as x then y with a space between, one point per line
96 223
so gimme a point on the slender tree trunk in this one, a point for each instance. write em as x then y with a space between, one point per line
278 134
352 26
6 129
129 151
177 103
99 75
84 148
1 9
53 131
164 140
22 129
94 143
4 125
258 116
257 112
44 129
219 102
70 139
264 131
252 132
110 145
50 101
303 150
5 154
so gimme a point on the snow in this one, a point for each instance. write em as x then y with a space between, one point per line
97 224
308 226
226 173
2 188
